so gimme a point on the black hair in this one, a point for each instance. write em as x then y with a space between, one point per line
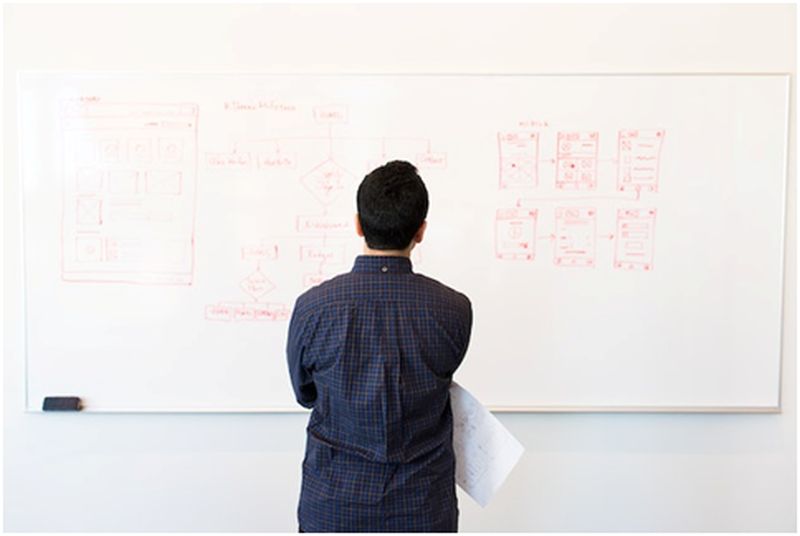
392 205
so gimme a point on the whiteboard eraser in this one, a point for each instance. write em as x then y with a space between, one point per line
62 403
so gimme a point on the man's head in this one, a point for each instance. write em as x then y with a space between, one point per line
392 205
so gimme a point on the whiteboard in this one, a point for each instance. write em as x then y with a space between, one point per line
620 236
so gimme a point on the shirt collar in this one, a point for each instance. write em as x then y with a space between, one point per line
382 264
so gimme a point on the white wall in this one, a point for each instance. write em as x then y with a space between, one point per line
581 472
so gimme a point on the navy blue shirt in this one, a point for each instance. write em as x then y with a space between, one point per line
373 352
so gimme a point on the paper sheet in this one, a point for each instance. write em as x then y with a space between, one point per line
485 450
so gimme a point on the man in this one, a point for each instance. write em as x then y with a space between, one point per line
373 353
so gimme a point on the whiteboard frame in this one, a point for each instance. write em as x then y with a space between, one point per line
495 409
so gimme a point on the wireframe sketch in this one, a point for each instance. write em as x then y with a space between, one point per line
515 234
128 195
635 239
576 236
519 154
638 159
576 160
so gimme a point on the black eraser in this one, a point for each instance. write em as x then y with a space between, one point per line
62 403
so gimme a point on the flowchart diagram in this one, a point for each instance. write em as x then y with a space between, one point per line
565 216
319 239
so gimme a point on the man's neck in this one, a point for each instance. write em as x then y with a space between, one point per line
388 252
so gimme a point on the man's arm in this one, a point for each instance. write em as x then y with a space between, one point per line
302 382
465 331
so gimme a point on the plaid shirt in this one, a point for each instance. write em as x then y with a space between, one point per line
373 352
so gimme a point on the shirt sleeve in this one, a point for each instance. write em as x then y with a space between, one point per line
302 378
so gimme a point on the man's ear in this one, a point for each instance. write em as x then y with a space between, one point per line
359 230
420 232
